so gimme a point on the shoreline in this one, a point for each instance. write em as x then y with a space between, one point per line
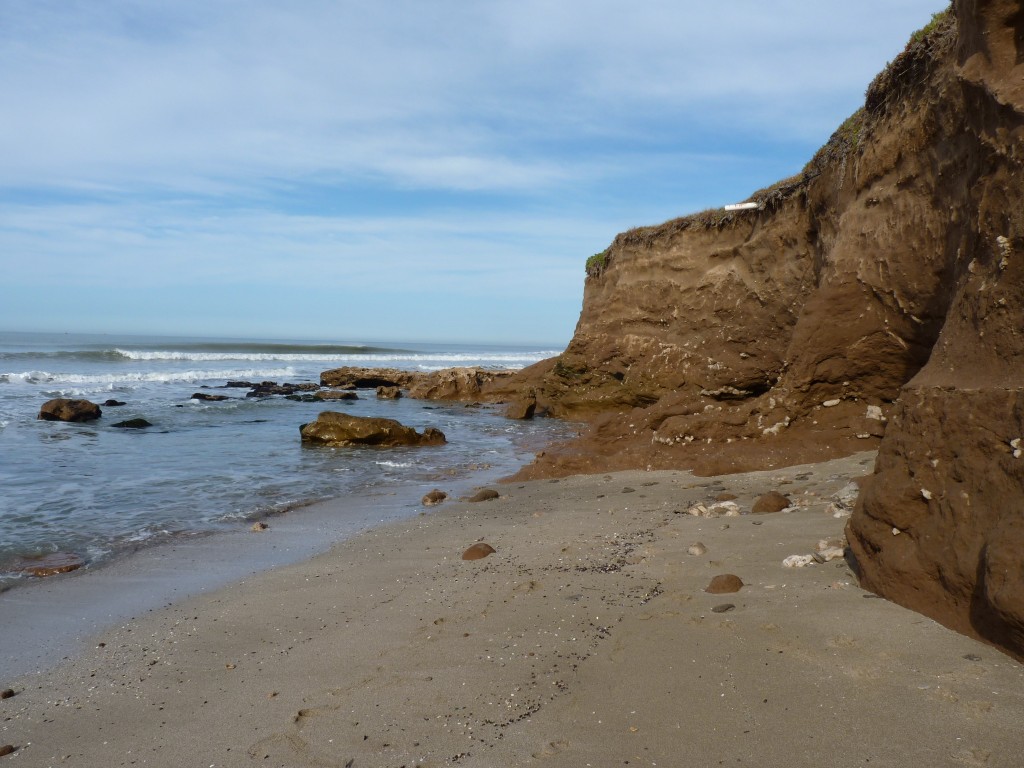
586 639
47 619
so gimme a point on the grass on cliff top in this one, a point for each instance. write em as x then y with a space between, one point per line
901 73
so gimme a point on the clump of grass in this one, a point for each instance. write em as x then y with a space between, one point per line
910 66
938 20
597 263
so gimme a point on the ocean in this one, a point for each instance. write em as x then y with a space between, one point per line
100 492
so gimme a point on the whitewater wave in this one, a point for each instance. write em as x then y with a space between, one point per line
394 464
144 377
435 360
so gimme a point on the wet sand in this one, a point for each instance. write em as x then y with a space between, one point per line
586 639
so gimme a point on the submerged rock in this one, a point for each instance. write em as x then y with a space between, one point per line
342 429
133 424
48 565
63 409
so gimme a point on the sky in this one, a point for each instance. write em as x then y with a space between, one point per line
390 170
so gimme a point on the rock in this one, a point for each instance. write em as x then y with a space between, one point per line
63 409
434 497
697 549
831 553
342 429
522 409
478 551
798 561
48 565
259 526
484 494
770 502
335 394
726 497
723 608
724 584
113 403
7 749
366 378
133 424
6 693
454 383
719 509
206 397
388 393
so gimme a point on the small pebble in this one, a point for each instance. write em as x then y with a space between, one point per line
972 657
6 693
697 549
259 527
627 489
723 608
6 749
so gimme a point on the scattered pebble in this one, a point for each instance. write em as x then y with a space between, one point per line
478 551
723 608
831 403
770 502
6 693
259 527
726 497
798 561
724 583
627 489
972 657
697 549
6 749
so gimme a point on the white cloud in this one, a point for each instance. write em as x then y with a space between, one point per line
446 146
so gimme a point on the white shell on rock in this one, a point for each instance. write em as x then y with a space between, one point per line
831 403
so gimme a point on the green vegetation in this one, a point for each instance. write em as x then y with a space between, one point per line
938 20
597 262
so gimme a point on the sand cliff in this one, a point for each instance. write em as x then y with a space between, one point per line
872 301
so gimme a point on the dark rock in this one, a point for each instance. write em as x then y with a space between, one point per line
113 403
239 384
336 394
341 429
723 608
478 551
6 693
485 494
63 409
388 393
770 502
133 424
433 497
724 584
48 565
726 496
208 398
7 749
627 489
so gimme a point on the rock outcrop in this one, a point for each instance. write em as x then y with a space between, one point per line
64 409
873 300
341 429
446 384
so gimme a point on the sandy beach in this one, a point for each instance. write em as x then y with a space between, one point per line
586 639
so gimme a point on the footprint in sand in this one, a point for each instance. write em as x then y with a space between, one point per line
551 749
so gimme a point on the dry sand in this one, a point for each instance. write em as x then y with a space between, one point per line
586 639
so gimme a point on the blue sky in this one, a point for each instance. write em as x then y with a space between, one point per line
403 170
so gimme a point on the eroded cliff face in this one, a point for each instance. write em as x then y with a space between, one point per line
878 293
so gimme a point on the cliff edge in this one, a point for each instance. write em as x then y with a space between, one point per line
873 300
